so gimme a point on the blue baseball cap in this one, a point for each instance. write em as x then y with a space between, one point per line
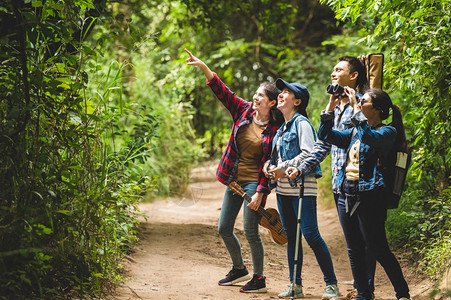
300 91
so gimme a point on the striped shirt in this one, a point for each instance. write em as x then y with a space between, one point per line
306 140
310 187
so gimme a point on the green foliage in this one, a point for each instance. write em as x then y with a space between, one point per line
428 237
415 39
295 24
68 202
175 151
158 87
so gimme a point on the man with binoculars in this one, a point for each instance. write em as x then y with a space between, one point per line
349 71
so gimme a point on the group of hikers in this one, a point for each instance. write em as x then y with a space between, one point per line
274 145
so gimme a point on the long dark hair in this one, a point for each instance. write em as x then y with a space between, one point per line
301 108
273 92
382 101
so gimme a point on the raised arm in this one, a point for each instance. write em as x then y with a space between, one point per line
340 139
229 99
381 139
194 61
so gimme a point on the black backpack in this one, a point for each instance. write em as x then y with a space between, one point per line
394 170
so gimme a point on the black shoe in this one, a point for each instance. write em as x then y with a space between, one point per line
256 285
235 276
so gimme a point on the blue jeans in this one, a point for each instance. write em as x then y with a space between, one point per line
231 206
370 260
366 228
288 210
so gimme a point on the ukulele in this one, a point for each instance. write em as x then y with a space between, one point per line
270 217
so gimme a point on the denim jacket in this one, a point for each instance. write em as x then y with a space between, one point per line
373 143
290 149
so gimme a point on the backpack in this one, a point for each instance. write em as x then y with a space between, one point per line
374 64
394 170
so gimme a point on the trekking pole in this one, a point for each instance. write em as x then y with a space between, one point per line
298 237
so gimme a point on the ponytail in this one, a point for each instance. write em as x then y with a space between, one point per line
382 101
401 141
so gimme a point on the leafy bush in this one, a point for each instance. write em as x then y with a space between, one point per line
427 234
68 201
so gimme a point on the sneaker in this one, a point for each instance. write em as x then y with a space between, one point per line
331 291
256 285
235 276
297 292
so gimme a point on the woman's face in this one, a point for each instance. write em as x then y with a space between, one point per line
287 102
366 106
261 101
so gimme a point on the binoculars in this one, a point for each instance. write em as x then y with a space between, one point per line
335 89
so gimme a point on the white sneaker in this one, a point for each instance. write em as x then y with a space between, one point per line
297 292
331 291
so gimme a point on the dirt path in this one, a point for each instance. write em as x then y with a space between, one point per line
181 255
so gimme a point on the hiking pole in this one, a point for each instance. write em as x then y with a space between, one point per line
298 237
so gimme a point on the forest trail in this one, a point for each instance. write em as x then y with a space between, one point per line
181 256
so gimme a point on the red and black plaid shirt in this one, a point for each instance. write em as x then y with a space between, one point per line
242 112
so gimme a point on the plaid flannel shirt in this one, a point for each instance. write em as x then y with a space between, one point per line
242 113
342 121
